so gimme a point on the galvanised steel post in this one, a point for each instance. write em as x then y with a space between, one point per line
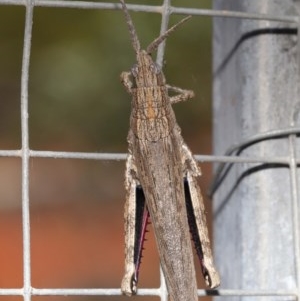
256 90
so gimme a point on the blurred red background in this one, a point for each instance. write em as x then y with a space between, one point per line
77 238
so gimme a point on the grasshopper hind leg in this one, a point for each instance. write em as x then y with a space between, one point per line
136 220
199 231
193 226
142 220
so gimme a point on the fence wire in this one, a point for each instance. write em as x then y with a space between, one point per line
231 156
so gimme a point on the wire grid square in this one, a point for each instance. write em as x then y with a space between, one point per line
26 153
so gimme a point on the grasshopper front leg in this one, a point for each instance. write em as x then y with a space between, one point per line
197 219
125 80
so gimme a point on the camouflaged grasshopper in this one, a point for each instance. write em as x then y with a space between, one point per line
160 180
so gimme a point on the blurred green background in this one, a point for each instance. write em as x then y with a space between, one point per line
77 55
77 103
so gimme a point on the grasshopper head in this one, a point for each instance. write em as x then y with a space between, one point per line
146 72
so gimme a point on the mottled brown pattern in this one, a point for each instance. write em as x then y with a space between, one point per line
159 160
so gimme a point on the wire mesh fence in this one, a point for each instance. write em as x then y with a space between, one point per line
231 157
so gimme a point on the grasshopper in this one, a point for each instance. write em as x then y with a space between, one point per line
160 180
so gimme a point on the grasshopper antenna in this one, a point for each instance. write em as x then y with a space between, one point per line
133 36
153 46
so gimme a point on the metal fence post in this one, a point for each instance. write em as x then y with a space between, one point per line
255 91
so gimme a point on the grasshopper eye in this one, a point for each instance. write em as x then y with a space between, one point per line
135 70
154 68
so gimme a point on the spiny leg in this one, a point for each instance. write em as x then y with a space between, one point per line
136 220
197 220
142 220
